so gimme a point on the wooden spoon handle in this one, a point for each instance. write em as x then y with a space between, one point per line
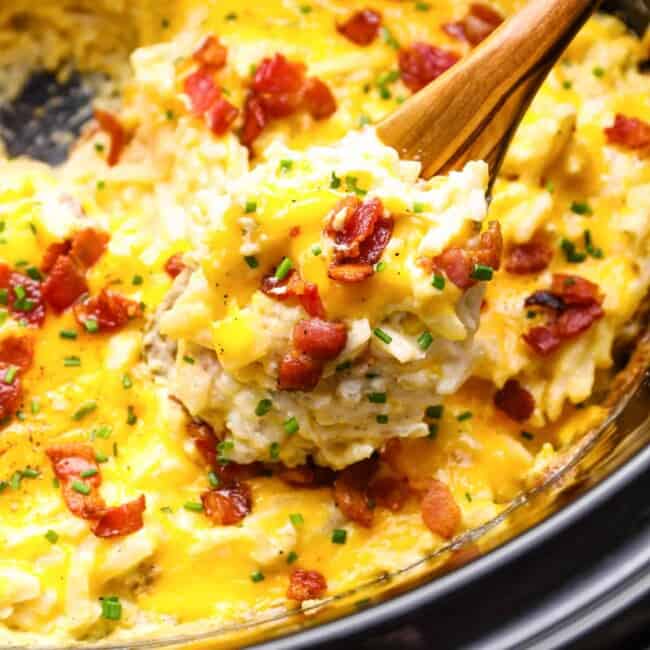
471 111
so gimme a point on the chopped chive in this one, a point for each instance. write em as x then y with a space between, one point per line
382 336
384 93
131 417
16 479
193 506
599 72
20 292
72 361
377 398
389 39
84 410
103 432
231 16
169 114
80 487
572 255
10 375
188 359
468 496
339 536
380 266
252 261
68 334
34 273
137 280
531 314
257 576
567 85
527 434
213 479
465 415
35 406
30 472
274 450
51 536
283 269
438 281
425 340
250 206
296 519
291 426
581 208
435 412
433 430
4 296
111 608
101 185
482 272
91 325
422 6
345 365
351 186
286 165
87 473
292 557
418 207
364 120
101 458
316 250
263 407
382 419
127 382
305 9
335 182
56 483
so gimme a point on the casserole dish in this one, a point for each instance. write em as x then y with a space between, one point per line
578 467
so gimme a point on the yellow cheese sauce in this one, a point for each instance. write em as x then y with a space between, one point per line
561 178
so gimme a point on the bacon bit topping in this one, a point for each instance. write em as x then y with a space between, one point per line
202 90
306 475
220 116
113 127
629 132
228 505
528 258
306 585
440 512
74 465
319 339
351 492
174 266
390 493
211 52
360 239
53 252
575 304
121 520
24 296
88 245
458 263
280 88
421 63
292 286
111 311
10 393
299 372
515 401
477 25
65 284
17 351
362 27
294 232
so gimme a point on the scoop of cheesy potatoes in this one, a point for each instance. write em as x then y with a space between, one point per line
224 395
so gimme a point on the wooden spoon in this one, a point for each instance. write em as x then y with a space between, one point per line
473 109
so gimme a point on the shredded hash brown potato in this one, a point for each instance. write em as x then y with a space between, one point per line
248 359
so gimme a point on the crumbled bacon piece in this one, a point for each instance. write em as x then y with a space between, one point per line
440 512
361 232
228 505
629 132
319 339
53 252
121 520
30 307
319 100
308 475
10 392
65 284
254 120
306 585
211 52
362 27
201 89
17 351
110 310
421 63
476 26
351 492
118 135
531 257
174 266
221 116
292 286
389 492
88 245
515 401
458 263
299 372
575 304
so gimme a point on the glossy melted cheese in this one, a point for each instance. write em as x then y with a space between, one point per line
180 568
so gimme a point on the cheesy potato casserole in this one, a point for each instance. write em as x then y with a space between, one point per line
249 359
